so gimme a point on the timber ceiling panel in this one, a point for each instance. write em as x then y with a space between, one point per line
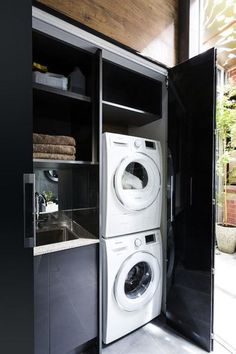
148 26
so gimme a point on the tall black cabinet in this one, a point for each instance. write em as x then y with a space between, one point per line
66 281
16 262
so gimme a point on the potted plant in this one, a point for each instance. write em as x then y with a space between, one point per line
226 127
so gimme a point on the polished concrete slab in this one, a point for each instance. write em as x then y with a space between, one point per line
225 299
156 338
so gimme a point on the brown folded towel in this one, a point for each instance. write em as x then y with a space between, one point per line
44 155
53 139
54 149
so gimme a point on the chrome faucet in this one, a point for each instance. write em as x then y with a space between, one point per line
40 204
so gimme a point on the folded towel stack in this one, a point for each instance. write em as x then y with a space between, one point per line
53 147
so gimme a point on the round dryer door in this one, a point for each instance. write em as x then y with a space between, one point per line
137 280
137 182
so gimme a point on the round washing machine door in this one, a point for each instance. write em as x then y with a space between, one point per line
137 182
137 281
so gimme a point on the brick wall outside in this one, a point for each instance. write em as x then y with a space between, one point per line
232 75
231 197
231 204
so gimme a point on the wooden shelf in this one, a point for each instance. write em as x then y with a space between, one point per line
116 113
59 164
63 93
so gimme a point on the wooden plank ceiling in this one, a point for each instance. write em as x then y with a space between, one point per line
148 26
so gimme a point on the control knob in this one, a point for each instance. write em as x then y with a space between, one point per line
138 242
137 143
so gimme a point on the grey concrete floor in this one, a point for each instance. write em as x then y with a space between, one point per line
225 299
157 339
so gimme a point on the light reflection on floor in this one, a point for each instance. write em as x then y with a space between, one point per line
225 299
156 339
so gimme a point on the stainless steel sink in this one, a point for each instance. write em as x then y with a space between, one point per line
61 234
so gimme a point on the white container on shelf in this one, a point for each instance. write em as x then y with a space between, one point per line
51 207
51 79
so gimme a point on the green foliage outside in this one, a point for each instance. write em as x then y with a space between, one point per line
226 127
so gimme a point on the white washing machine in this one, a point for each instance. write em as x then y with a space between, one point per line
132 282
132 178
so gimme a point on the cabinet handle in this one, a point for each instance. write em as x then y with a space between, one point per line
171 198
191 191
29 210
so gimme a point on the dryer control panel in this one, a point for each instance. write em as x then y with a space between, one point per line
150 144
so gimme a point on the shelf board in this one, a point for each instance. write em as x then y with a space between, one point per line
63 93
56 164
123 115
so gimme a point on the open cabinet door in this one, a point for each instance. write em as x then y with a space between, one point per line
191 126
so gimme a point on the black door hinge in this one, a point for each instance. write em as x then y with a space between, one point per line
167 82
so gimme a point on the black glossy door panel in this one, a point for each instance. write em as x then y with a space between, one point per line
191 143
16 262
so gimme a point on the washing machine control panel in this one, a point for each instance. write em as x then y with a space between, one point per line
137 143
137 242
146 239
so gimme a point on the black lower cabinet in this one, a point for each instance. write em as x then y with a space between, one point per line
66 301
41 304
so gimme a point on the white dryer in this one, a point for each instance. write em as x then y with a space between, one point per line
132 282
131 181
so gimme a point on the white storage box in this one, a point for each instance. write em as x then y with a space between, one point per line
50 79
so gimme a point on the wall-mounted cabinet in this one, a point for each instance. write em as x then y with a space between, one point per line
130 98
66 111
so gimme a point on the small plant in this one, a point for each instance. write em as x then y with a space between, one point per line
48 196
226 127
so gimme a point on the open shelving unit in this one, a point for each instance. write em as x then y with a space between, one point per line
60 112
58 164
120 114
129 98
45 89
64 112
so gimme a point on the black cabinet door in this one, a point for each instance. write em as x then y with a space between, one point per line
41 304
73 299
16 262
191 125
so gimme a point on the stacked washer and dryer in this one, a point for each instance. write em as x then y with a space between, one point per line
131 243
